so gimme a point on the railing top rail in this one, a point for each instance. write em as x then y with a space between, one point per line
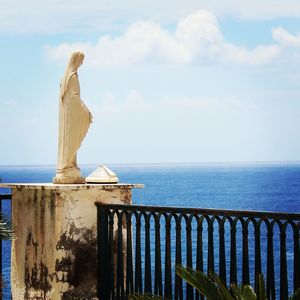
205 211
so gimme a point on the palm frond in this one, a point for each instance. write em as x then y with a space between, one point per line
7 230
199 281
247 293
296 295
223 288
261 289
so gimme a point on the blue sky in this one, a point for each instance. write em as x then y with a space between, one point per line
166 81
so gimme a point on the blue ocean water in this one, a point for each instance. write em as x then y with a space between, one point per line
271 187
236 186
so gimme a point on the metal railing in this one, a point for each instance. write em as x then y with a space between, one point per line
138 247
2 283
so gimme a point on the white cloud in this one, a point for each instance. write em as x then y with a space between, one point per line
259 55
283 37
197 38
55 16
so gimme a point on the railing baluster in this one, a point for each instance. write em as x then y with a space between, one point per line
199 263
110 245
158 272
210 255
178 280
233 270
189 255
129 262
257 269
168 272
245 274
283 265
222 255
138 288
120 264
296 257
271 293
148 279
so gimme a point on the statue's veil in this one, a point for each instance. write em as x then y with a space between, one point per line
72 67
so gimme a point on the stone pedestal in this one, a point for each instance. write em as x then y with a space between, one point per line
54 254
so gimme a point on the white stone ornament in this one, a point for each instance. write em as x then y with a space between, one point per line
74 122
102 175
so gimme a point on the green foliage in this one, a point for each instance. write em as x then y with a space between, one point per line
7 231
261 290
243 292
226 295
296 295
213 288
204 284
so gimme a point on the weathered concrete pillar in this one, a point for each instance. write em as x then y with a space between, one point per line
54 255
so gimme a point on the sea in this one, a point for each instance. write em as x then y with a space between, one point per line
238 186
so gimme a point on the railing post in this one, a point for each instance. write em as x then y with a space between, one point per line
103 289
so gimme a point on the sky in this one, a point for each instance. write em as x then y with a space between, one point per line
166 81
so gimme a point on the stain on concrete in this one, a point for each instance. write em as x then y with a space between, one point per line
79 263
75 295
38 277
55 254
63 264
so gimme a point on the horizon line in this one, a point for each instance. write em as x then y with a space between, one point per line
279 162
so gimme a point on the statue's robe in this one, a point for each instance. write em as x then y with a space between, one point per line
74 122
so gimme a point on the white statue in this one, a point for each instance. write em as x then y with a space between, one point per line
74 122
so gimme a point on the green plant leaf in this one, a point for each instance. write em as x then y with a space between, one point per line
261 290
7 231
247 293
235 291
199 281
243 292
296 295
221 285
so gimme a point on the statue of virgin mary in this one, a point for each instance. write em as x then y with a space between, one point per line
74 122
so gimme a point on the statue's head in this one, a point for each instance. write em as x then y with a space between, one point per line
76 60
